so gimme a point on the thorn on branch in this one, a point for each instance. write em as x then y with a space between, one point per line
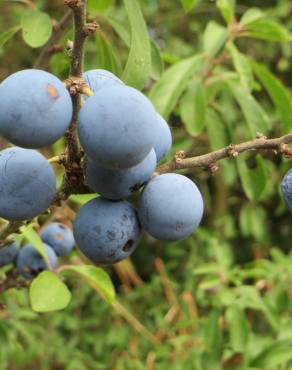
91 28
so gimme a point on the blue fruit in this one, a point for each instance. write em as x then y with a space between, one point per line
287 189
9 253
59 237
35 108
119 183
30 262
105 231
117 126
27 184
163 138
100 78
170 207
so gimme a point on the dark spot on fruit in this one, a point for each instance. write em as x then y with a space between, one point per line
127 247
52 91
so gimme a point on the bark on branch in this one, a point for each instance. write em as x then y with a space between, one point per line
261 143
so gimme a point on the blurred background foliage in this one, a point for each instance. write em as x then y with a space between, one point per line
221 299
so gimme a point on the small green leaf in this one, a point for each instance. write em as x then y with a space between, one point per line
188 4
277 354
106 56
278 93
226 8
267 29
157 64
170 86
251 15
254 114
242 66
82 198
6 35
138 67
36 28
253 181
29 233
96 277
96 6
238 328
214 38
48 293
217 131
120 30
245 221
212 333
193 108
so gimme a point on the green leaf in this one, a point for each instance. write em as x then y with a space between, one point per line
48 293
245 221
279 353
226 8
251 15
188 4
254 114
120 30
36 28
214 38
212 333
193 108
97 278
242 66
96 6
253 181
217 131
106 56
278 93
6 35
82 198
166 91
267 29
138 67
157 64
29 233
238 328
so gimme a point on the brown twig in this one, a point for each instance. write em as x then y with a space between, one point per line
11 281
206 160
11 228
43 60
73 171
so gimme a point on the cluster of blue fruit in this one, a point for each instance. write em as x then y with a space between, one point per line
58 241
123 138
